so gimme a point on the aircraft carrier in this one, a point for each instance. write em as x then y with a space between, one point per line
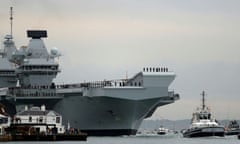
101 108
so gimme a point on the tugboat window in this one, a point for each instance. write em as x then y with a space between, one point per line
30 119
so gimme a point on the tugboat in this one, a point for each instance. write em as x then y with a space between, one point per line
232 128
203 124
162 131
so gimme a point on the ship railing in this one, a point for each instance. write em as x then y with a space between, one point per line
7 73
50 90
40 67
97 84
30 92
41 70
101 84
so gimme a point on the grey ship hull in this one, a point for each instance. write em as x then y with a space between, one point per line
105 116
101 116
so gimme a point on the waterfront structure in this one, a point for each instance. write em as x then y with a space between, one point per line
203 124
4 120
4 123
44 121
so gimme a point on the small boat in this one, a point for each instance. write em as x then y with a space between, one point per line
162 131
203 124
232 128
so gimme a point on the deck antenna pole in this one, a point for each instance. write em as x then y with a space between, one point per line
126 75
203 100
11 20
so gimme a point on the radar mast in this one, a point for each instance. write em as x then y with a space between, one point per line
11 21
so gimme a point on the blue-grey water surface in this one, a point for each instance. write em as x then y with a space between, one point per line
146 140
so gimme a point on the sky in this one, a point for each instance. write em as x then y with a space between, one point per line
197 39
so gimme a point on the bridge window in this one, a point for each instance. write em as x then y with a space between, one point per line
41 119
57 119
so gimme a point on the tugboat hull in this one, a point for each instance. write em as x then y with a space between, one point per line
161 133
204 132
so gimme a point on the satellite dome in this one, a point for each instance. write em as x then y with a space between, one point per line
54 51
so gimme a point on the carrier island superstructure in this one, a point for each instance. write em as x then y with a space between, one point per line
109 107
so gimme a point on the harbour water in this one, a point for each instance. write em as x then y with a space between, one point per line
177 139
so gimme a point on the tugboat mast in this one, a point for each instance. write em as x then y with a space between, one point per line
203 100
